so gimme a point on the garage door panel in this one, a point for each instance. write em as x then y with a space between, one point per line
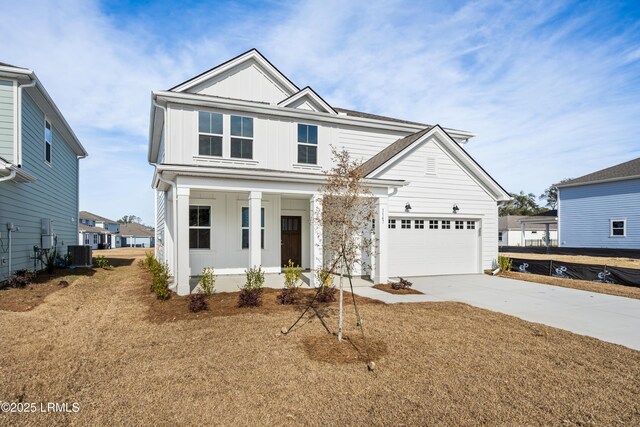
422 252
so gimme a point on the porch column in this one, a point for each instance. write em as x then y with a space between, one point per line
316 249
182 269
547 234
381 255
255 225
522 238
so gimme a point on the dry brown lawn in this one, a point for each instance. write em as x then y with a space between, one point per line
96 343
580 259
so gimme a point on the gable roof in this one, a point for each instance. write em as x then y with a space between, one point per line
623 171
392 151
361 114
233 62
89 229
94 217
312 96
513 222
136 230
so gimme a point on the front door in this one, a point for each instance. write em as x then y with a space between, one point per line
291 240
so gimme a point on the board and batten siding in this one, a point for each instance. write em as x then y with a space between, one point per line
161 206
434 194
53 195
585 212
7 117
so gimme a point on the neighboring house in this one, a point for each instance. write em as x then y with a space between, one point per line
135 235
98 232
39 156
239 152
601 209
512 233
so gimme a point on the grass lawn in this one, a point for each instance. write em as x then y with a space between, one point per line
129 360
585 285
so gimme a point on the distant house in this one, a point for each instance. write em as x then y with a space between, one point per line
39 158
97 231
601 209
512 233
135 235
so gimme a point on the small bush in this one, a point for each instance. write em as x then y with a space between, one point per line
287 296
327 293
207 282
102 262
504 263
251 292
160 284
197 302
401 284
292 275
324 277
50 261
19 282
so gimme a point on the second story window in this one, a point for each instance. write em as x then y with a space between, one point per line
242 137
307 144
209 134
48 138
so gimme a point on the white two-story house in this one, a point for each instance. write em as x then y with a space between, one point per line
240 151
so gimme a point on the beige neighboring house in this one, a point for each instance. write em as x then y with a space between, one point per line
510 231
135 235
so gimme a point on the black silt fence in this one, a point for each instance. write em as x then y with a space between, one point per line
569 270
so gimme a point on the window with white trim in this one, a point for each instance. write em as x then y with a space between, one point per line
459 225
392 223
209 134
95 239
245 228
471 225
418 224
242 137
618 227
433 224
199 227
446 224
86 239
48 139
405 223
499 236
307 144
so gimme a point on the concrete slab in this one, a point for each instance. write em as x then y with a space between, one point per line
606 317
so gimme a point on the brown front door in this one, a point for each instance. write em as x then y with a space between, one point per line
291 240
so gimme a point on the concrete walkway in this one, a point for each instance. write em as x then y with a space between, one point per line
606 317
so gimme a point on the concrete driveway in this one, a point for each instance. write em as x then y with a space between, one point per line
606 317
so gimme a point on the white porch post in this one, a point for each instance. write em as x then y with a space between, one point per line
316 249
182 270
381 273
255 225
522 238
548 234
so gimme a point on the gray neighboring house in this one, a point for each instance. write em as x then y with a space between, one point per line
98 232
39 159
601 209
135 235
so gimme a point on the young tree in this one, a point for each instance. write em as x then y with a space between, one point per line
520 204
550 195
346 215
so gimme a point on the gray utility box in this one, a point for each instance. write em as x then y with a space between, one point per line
46 233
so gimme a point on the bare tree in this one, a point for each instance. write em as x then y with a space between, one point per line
346 217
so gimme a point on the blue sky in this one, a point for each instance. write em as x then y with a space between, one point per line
551 88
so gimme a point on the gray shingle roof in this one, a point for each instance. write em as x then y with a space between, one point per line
391 151
512 222
623 170
354 113
136 230
88 229
94 217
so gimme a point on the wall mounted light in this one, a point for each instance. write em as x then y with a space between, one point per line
407 207
455 209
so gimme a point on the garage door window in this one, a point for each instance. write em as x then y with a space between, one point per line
392 223
471 225
418 224
405 223
446 225
433 224
459 225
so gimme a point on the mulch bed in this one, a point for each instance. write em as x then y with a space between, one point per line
406 291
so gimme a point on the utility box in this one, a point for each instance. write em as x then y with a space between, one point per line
81 256
46 232
46 241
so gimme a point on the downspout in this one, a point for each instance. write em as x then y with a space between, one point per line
18 158
174 204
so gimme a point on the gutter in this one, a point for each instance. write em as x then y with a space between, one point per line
600 181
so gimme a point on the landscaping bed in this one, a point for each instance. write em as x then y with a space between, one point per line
403 291
436 364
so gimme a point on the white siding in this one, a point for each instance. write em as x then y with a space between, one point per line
435 194
161 205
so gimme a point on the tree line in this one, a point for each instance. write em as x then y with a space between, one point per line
527 204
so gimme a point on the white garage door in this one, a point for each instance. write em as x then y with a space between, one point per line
426 247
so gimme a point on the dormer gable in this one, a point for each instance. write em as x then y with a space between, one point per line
249 77
307 99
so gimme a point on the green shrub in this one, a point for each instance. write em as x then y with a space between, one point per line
160 284
251 292
504 263
102 262
292 275
207 282
50 261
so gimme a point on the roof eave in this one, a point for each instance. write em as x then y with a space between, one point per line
599 181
